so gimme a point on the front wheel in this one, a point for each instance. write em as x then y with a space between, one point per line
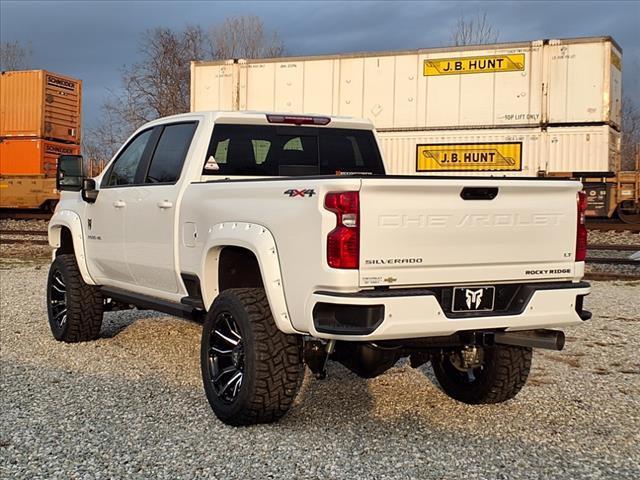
251 371
483 374
74 308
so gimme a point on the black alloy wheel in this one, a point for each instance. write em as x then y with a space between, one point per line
58 299
251 371
226 357
74 308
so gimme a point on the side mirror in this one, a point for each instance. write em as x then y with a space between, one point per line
70 177
89 192
70 173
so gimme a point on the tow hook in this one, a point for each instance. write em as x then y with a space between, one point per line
316 353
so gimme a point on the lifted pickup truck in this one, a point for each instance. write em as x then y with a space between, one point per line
285 237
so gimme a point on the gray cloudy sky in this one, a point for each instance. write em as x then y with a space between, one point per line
92 40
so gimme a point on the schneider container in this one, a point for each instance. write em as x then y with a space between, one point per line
536 83
22 156
40 104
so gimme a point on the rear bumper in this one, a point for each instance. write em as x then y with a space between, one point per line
414 313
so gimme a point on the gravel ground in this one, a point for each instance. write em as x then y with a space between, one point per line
131 405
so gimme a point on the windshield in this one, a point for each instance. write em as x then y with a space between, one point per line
270 150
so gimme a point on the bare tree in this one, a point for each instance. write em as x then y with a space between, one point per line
14 56
630 133
158 85
476 31
244 37
101 142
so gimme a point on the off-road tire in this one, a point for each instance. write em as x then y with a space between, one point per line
84 303
272 361
504 372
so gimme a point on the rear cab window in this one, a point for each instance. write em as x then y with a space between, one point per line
274 150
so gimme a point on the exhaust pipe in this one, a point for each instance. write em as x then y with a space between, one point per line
549 339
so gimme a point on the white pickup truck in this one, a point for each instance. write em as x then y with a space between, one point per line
283 234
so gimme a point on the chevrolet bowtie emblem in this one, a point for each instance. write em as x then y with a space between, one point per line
390 279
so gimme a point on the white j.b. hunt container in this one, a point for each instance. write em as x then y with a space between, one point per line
526 90
530 151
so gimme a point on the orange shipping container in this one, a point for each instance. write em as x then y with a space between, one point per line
32 156
38 103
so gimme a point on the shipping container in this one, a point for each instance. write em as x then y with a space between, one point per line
24 156
33 192
532 151
40 104
537 83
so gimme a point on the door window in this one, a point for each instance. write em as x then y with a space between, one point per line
172 148
126 165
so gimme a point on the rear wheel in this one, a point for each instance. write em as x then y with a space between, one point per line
483 374
74 307
251 371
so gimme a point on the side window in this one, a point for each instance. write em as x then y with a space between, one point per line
261 150
221 151
125 167
170 153
293 144
299 151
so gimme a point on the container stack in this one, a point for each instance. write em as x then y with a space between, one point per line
543 107
40 119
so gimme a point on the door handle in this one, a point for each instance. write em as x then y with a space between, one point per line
165 204
119 204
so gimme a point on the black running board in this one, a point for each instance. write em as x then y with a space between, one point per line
145 302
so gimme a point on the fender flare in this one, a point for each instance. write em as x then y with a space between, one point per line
70 220
260 241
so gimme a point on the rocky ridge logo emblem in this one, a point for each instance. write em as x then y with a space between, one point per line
474 297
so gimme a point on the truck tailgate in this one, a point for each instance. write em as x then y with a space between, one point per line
422 232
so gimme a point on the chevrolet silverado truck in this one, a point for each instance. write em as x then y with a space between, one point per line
284 237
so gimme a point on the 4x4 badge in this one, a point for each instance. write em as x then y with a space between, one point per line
306 192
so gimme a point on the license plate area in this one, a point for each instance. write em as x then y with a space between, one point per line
473 299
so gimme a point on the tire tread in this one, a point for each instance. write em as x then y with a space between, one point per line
508 372
279 369
84 304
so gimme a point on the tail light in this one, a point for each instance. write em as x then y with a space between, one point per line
581 232
343 242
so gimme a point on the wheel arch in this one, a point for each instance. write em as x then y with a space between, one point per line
244 242
66 236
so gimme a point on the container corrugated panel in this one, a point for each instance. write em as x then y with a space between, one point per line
582 149
24 156
492 86
393 91
502 152
41 104
584 82
32 191
215 86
